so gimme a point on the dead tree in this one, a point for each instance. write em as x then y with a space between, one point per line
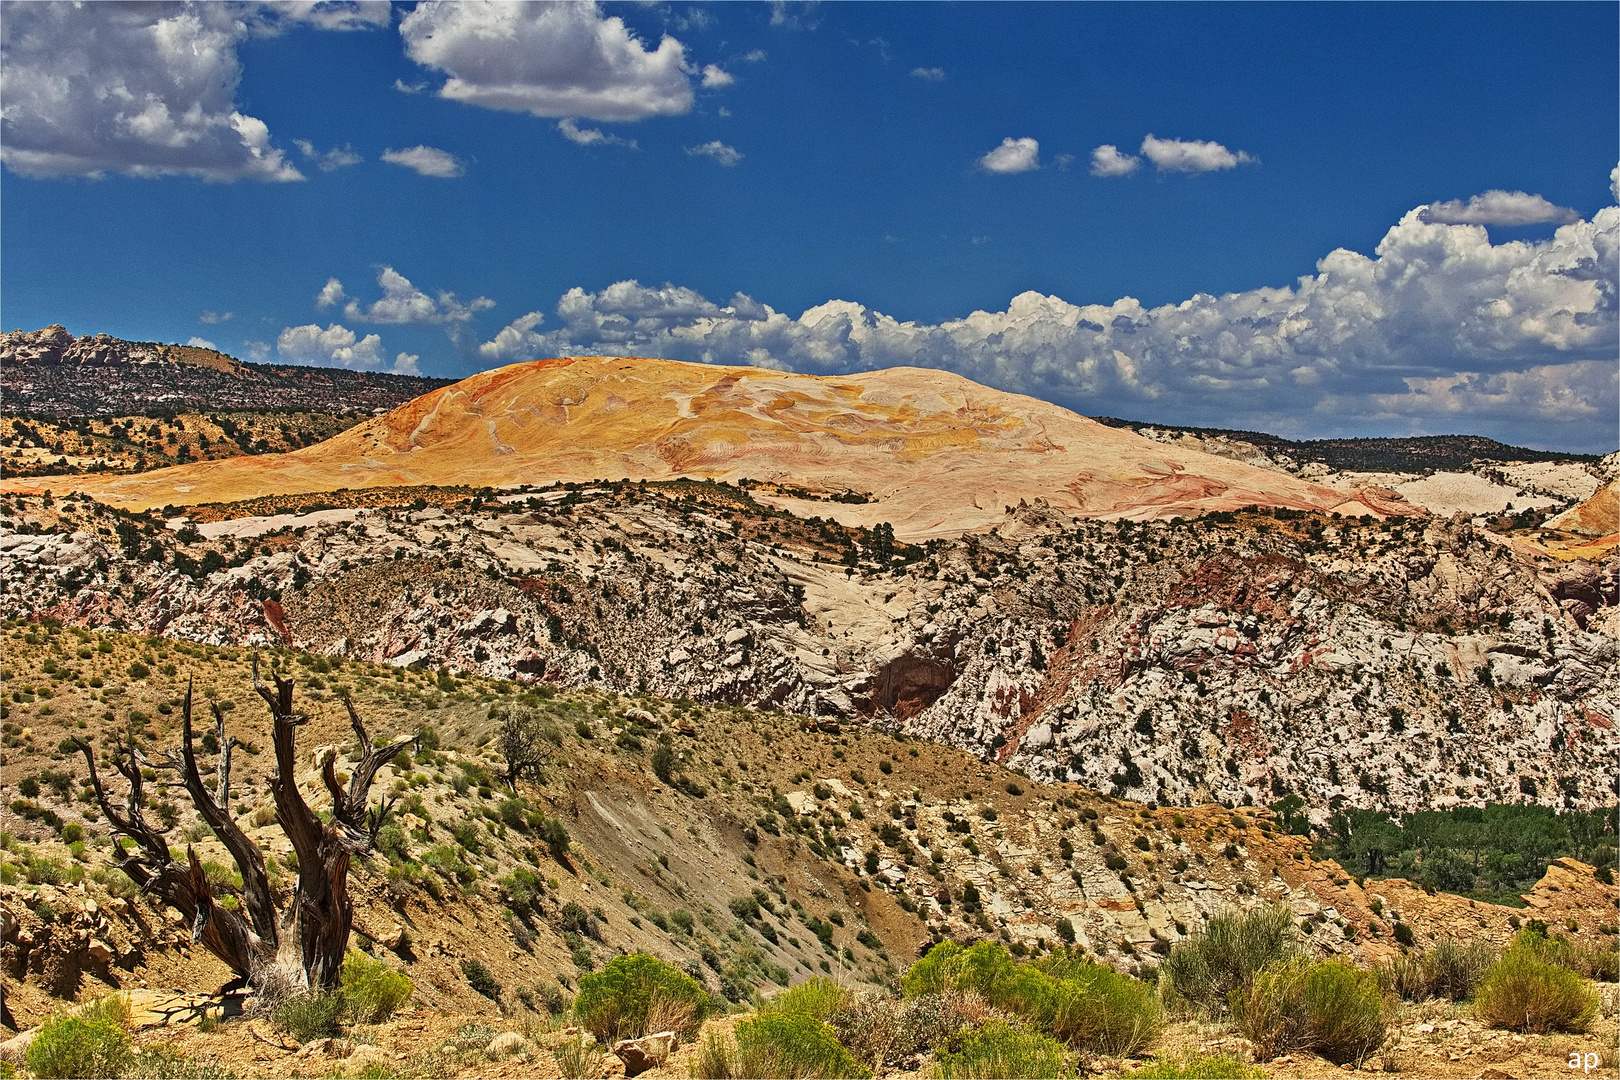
307 931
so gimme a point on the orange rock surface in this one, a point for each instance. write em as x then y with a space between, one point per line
939 453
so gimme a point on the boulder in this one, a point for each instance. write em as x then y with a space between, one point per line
505 1044
644 1053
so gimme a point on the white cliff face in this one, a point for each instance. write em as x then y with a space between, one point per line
1423 664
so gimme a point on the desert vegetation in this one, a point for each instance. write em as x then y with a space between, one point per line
913 848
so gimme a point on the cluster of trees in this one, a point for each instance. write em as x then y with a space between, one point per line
1489 853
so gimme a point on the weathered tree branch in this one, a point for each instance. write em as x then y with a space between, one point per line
184 887
213 808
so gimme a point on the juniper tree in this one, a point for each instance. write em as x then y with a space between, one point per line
304 934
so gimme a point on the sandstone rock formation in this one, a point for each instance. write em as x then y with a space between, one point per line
936 453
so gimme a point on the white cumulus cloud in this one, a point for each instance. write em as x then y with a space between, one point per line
1107 160
336 345
338 157
401 303
516 341
405 364
1191 155
1498 208
714 76
212 317
1013 156
585 136
142 89
928 74
426 160
201 343
331 294
719 151
1437 329
548 59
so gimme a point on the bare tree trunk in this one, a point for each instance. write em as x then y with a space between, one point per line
322 914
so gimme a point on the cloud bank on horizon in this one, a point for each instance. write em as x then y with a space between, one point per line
1438 326
509 109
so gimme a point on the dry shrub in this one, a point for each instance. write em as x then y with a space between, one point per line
1448 970
885 1033
715 1060
578 1059
1594 962
1405 977
1521 993
275 982
1332 1008
668 1013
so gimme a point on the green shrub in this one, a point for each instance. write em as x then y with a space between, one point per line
555 834
1521 993
76 1046
1096 1008
613 1003
373 989
998 1049
986 968
790 1046
819 997
1332 1008
310 1016
1087 1005
391 841
479 978
1233 947
1595 962
1198 1067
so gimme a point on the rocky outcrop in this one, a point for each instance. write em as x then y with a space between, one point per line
1427 666
1596 516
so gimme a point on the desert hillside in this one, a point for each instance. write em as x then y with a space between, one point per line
751 849
929 452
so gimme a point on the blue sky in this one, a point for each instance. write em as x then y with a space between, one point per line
1109 206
